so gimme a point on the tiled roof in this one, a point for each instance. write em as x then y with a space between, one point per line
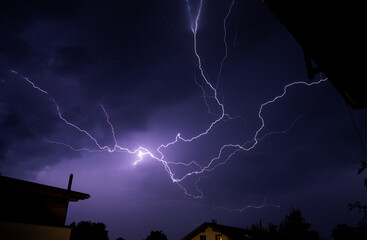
233 233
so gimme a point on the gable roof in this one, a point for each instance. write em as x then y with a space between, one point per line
11 185
34 203
233 233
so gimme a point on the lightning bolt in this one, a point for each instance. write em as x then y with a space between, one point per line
190 15
224 42
209 91
263 205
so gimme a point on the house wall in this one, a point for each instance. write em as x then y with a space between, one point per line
23 231
210 235
32 207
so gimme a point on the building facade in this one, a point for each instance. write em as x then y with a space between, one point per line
30 210
214 231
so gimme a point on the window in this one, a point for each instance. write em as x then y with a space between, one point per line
218 237
202 237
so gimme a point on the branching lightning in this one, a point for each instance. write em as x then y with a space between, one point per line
210 91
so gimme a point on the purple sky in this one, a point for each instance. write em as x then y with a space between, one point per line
138 61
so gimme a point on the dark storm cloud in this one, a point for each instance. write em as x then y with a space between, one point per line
25 121
105 54
72 60
113 60
15 15
136 58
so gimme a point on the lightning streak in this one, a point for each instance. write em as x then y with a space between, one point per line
263 205
225 43
190 15
220 158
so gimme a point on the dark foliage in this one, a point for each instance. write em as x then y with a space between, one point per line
362 209
88 231
156 235
293 226
359 232
345 232
257 232
362 168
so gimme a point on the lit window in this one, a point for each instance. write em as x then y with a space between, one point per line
218 237
202 237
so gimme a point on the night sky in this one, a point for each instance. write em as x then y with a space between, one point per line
137 60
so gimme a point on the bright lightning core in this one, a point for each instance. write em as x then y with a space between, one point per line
193 169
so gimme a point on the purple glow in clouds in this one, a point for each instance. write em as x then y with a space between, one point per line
141 153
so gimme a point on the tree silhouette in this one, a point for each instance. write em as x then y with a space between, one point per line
357 205
156 235
359 232
362 209
363 167
294 226
88 231
344 232
257 232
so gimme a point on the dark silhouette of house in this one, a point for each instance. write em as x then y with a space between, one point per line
214 231
331 34
30 210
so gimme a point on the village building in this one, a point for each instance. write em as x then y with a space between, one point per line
30 210
215 231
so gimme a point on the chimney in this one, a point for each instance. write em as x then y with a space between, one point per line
214 221
70 181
